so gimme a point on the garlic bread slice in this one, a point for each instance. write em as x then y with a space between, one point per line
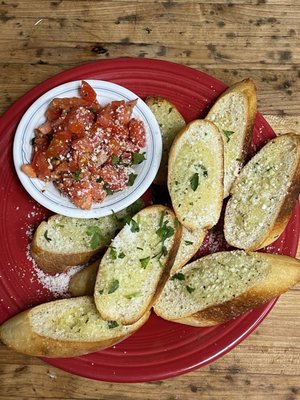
195 175
221 286
63 328
135 267
62 241
234 114
264 195
170 122
83 282
190 243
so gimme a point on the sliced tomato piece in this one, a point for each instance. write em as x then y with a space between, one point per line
137 133
78 120
52 114
45 128
83 145
87 92
66 103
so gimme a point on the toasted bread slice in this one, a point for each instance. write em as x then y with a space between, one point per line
264 195
62 241
190 243
135 268
83 282
170 122
63 328
234 114
195 176
221 286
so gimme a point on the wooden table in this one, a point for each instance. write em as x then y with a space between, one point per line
230 40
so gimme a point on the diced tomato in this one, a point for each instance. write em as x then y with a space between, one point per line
45 128
59 145
98 192
87 92
28 170
52 114
113 176
68 102
41 166
81 194
86 150
137 132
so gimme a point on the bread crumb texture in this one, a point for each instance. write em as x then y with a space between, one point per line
211 280
259 192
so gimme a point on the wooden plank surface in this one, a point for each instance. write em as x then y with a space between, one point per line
227 39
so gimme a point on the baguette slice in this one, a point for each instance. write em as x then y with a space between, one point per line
190 243
83 282
62 241
195 176
221 286
264 195
63 328
234 114
170 122
135 268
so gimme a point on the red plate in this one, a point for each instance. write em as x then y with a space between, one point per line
159 349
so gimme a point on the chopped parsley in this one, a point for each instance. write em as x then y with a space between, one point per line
190 289
144 262
194 181
107 189
113 253
138 158
131 179
115 160
188 243
112 324
134 226
227 134
133 295
179 276
46 236
76 175
114 286
95 235
121 255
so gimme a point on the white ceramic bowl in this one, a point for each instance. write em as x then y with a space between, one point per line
51 197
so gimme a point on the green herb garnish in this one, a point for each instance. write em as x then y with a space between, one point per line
112 324
190 289
95 235
194 181
227 134
179 276
113 253
133 295
188 243
115 160
46 236
144 262
134 226
113 287
121 255
131 179
107 189
138 158
76 175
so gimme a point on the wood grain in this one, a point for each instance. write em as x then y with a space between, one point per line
229 39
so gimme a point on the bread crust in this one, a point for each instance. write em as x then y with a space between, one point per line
284 209
83 282
18 334
256 296
248 89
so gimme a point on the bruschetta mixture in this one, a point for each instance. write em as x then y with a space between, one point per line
87 150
